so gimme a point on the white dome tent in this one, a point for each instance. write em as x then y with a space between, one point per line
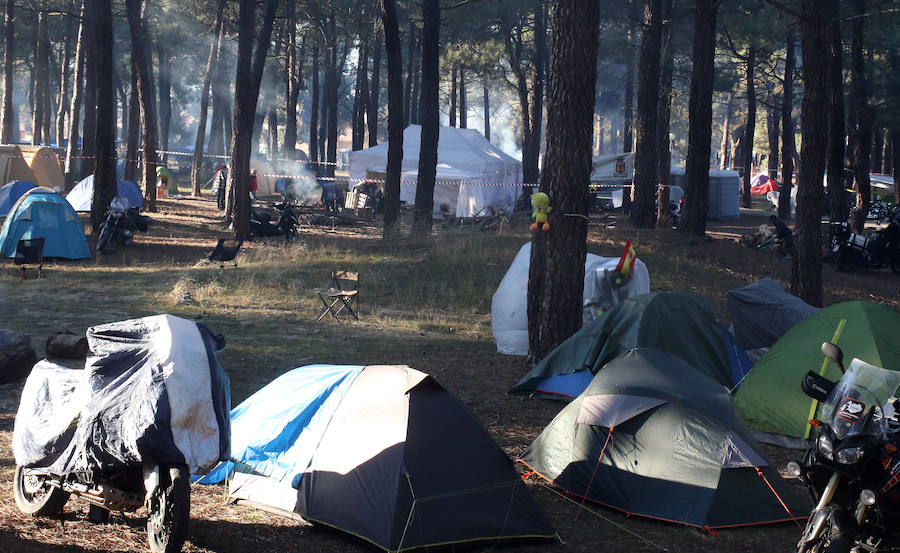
463 154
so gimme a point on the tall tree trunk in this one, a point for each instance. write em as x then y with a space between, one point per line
250 66
877 150
9 60
292 84
863 148
696 172
645 157
91 75
214 48
140 68
415 116
360 98
772 128
63 104
396 113
895 157
331 96
314 113
105 189
487 113
628 123
408 94
889 152
536 96
664 114
806 281
838 210
556 270
428 151
750 126
41 81
725 146
73 165
453 73
272 125
375 89
514 50
134 132
165 100
787 130
463 108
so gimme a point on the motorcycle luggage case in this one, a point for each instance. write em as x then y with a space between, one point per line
816 386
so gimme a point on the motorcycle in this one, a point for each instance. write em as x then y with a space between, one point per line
879 250
120 224
852 469
261 222
151 407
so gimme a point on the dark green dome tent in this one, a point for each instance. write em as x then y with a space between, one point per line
683 324
771 401
652 436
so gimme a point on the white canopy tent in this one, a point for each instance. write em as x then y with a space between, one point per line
488 177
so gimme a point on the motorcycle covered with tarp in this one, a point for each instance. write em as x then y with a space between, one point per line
151 406
852 469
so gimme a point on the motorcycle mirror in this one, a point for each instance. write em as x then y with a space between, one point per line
834 354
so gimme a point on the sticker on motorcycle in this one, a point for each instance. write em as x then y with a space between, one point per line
851 410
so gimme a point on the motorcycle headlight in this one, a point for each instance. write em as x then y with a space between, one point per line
849 455
825 447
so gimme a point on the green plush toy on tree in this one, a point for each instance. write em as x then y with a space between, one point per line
541 204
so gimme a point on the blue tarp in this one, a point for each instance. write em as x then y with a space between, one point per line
273 428
11 192
44 213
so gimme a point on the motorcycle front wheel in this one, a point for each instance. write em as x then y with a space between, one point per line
169 510
35 496
836 535
104 237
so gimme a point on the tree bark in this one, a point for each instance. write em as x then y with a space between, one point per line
314 113
749 127
772 128
877 150
41 81
889 152
134 132
628 122
725 146
895 156
91 72
9 60
396 114
664 113
408 95
837 131
862 150
105 189
140 68
430 111
165 100
292 84
214 48
63 103
331 96
806 282
375 89
696 201
361 98
250 66
453 73
487 113
463 108
536 95
646 182
514 45
73 165
787 130
556 270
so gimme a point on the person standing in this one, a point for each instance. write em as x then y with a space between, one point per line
253 184
220 186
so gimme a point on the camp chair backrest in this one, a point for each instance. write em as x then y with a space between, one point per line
226 250
338 276
30 251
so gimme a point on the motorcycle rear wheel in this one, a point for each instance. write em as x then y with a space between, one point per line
169 510
35 496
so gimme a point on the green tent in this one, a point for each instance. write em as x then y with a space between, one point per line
683 324
653 436
770 399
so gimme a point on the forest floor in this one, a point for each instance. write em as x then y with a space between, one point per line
424 303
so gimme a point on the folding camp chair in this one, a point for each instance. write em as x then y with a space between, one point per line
226 250
343 293
30 251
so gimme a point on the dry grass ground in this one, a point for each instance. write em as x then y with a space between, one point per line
425 303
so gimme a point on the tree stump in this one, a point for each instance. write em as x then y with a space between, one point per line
66 345
16 356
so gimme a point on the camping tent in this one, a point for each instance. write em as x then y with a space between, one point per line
762 312
492 177
770 398
46 167
509 306
41 212
683 324
82 196
381 452
11 192
654 437
446 188
762 184
13 165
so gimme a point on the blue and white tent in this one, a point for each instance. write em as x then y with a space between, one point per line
41 212
82 196
11 192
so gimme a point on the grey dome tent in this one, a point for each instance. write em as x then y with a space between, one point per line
762 312
652 436
383 453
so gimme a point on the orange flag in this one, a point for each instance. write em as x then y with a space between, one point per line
626 262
